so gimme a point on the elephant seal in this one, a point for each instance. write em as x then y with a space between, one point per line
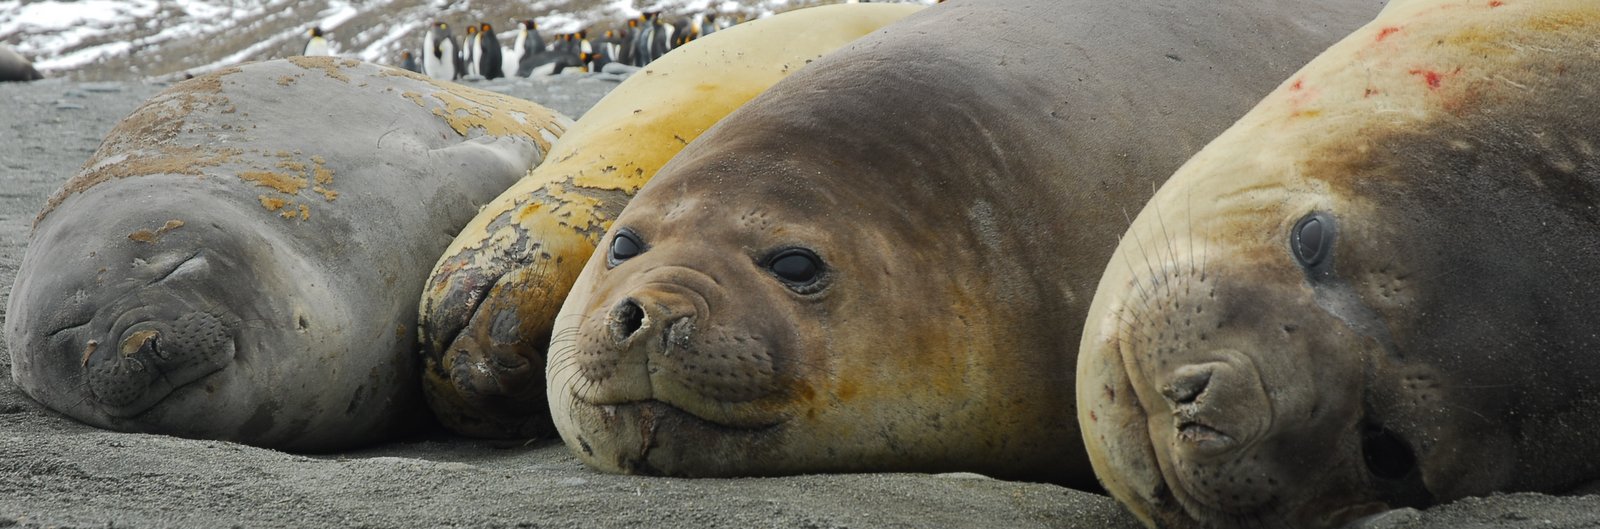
491 301
242 258
15 67
877 265
1375 291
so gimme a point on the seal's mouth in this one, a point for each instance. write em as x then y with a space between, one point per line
742 417
658 407
1203 436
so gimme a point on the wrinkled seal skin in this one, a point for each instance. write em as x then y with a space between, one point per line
1431 337
491 301
961 192
242 258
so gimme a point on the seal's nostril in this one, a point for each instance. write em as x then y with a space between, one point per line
139 341
626 319
1187 383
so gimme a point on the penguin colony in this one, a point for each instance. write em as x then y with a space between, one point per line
479 54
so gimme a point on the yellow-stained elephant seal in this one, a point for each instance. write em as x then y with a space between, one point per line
242 258
1377 290
879 264
492 299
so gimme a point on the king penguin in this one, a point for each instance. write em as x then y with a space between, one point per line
439 57
528 45
660 37
409 62
317 46
469 50
488 53
628 44
708 24
644 40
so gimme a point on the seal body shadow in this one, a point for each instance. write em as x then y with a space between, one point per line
877 265
1382 277
241 258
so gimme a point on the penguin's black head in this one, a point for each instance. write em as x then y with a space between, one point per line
472 30
486 28
529 24
316 31
583 34
633 22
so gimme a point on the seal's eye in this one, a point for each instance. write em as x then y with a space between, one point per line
799 267
624 246
1312 239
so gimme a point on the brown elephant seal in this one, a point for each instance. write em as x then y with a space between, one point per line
242 258
877 265
491 301
1377 290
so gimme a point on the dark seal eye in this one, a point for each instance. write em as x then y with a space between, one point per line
798 267
1312 239
624 246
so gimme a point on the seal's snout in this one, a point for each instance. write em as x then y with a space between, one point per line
153 358
626 319
652 321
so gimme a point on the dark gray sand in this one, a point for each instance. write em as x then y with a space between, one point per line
55 472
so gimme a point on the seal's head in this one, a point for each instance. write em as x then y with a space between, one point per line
1314 319
738 326
489 307
169 327
811 286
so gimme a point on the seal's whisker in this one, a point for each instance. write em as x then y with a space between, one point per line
1144 296
1141 330
1138 240
1188 208
1172 250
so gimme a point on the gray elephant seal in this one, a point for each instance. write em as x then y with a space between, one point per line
15 67
1377 290
879 264
242 258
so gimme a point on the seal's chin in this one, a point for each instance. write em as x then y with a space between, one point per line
1174 439
1117 434
652 437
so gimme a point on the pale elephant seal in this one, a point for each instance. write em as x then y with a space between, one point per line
1377 290
491 301
877 265
242 258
